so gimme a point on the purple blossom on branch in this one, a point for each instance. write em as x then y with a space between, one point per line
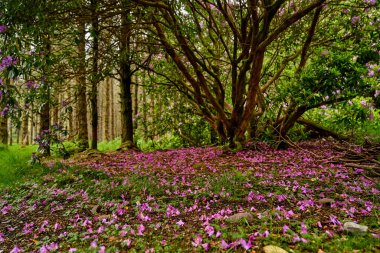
3 28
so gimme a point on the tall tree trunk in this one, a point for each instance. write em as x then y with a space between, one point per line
145 108
253 127
94 75
18 135
3 131
45 125
24 129
112 110
55 111
45 108
125 85
10 132
107 110
136 104
31 127
213 136
82 136
70 114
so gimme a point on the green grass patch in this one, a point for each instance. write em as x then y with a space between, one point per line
15 164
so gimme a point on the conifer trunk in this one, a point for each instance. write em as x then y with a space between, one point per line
3 131
82 135
125 85
24 129
94 75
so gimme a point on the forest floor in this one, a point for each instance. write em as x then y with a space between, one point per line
184 200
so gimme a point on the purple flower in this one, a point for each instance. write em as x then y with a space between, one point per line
180 223
371 73
197 241
28 228
296 238
57 226
140 229
53 246
127 242
303 228
224 245
246 245
329 233
100 229
102 249
72 250
355 20
3 28
265 234
370 2
281 12
334 220
209 230
206 246
7 61
16 249
31 85
285 228
93 244
43 249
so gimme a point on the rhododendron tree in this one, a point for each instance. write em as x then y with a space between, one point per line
230 54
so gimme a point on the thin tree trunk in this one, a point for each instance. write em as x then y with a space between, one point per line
55 111
31 126
17 135
82 127
70 115
125 85
107 110
24 129
45 124
136 105
112 111
10 132
95 75
145 118
3 131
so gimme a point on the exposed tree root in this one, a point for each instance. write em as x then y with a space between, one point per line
322 131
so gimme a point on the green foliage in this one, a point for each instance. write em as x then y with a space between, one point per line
109 145
356 119
15 166
330 77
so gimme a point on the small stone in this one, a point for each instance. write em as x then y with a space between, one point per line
354 228
95 209
105 217
240 217
326 201
273 249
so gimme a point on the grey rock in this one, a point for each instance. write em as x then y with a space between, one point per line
95 209
354 228
240 217
105 216
326 201
273 249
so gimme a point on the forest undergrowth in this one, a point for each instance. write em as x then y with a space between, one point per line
184 200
